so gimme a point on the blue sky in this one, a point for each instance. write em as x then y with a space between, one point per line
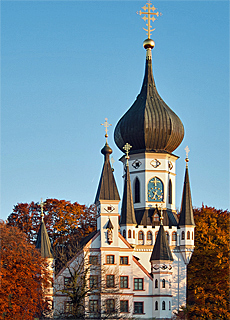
67 65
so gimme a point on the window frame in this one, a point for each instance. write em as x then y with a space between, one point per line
70 306
174 235
95 285
163 305
107 281
140 302
124 264
129 234
106 304
151 236
182 235
140 233
65 283
137 188
138 284
93 257
97 305
127 278
188 235
163 283
156 284
127 303
107 258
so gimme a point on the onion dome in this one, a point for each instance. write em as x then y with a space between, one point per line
149 125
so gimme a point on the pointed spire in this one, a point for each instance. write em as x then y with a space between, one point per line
43 241
161 249
186 214
107 188
127 209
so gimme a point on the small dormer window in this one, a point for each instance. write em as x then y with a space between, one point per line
156 217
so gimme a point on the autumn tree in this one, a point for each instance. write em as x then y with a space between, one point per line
25 277
208 270
66 223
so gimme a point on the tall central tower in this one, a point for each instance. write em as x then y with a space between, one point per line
154 131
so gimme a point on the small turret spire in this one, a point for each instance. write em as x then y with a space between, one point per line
127 208
186 214
43 241
107 189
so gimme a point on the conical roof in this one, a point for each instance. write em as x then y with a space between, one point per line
43 242
107 188
149 125
186 214
127 208
161 250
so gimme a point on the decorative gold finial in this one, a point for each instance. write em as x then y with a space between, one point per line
106 124
148 15
127 147
42 205
161 217
187 159
112 162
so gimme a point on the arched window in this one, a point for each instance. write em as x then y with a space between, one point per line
137 191
169 283
124 234
156 283
174 236
188 235
156 305
156 235
140 235
155 190
192 235
163 305
182 235
133 234
156 217
163 283
170 192
167 236
169 305
129 234
149 235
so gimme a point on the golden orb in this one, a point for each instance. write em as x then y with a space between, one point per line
148 43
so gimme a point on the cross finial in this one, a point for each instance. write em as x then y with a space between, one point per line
42 205
161 217
106 125
187 151
112 162
127 147
148 15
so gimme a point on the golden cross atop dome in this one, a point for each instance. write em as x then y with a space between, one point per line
148 15
106 125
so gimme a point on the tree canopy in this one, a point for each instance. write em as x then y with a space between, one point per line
208 270
24 277
65 221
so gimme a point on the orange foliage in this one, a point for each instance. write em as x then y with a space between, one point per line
65 221
208 270
24 276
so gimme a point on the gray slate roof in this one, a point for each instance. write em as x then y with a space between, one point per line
145 217
186 214
149 125
127 208
43 242
161 249
107 188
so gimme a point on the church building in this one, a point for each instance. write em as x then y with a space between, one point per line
138 256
